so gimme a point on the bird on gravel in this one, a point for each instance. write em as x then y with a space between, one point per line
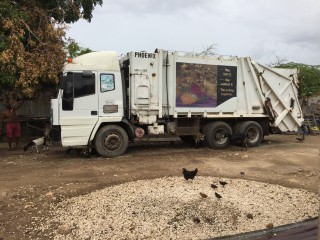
242 173
203 195
196 220
300 138
217 195
214 186
189 174
223 183
250 216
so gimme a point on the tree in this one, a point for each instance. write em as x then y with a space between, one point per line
32 34
279 61
74 49
63 11
309 77
207 51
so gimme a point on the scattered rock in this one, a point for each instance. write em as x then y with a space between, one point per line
269 225
170 207
234 219
18 196
3 193
49 194
3 205
2 230
132 228
28 206
64 229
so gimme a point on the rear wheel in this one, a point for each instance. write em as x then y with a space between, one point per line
253 131
111 141
216 135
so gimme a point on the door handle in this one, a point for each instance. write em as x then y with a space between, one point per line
94 112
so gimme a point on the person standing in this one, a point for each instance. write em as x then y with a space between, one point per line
13 128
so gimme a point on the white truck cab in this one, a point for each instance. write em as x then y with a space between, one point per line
90 93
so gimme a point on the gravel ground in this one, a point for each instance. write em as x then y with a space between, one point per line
172 208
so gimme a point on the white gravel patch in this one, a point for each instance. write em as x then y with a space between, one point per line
172 208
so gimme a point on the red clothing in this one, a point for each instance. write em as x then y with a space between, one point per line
13 130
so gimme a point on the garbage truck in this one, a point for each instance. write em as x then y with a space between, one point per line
106 102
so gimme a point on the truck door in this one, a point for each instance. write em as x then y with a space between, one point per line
78 107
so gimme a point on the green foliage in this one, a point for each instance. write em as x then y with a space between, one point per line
7 80
32 48
309 77
74 49
70 11
63 11
7 11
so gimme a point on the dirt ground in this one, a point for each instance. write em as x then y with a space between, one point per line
30 182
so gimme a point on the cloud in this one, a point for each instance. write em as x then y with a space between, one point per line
289 28
164 7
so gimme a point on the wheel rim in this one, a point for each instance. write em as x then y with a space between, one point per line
112 142
220 136
253 134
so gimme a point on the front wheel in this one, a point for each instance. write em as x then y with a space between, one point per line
217 135
111 141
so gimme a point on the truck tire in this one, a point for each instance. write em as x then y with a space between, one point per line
216 135
111 141
253 131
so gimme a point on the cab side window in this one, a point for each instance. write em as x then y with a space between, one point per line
76 85
83 86
107 82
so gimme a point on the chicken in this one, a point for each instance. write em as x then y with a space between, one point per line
217 195
300 138
239 138
269 225
69 150
37 142
44 141
189 174
250 216
214 186
223 183
196 220
203 195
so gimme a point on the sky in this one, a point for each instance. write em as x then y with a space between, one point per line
260 29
